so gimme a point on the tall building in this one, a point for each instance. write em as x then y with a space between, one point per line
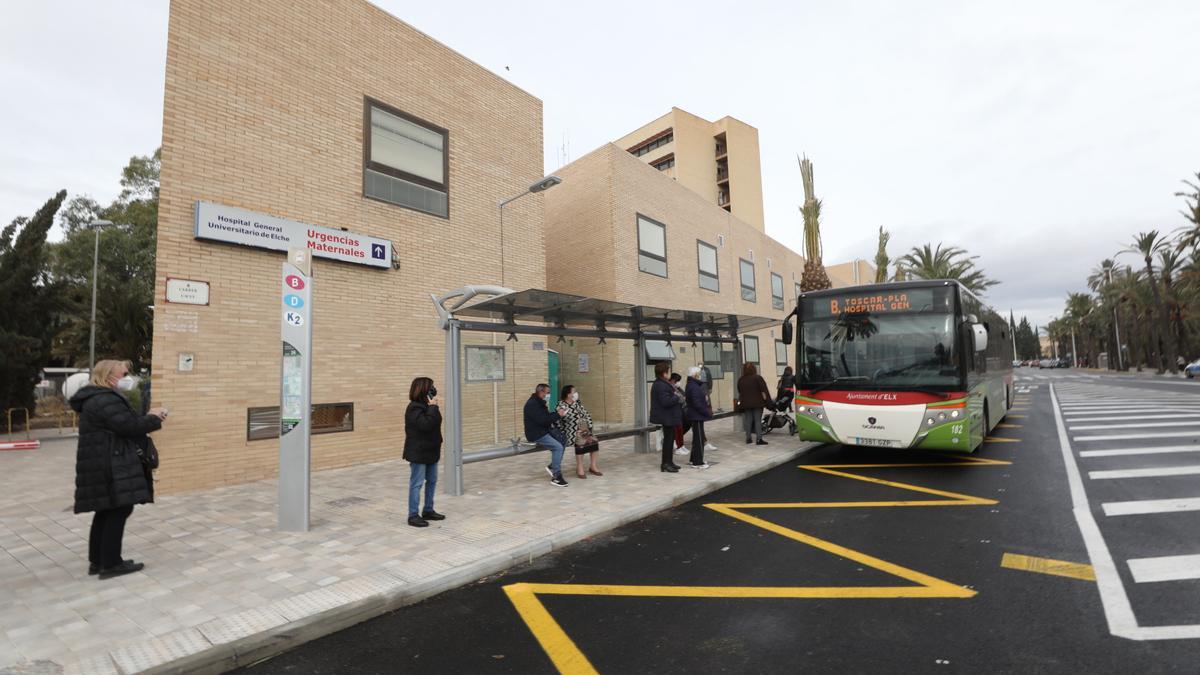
717 160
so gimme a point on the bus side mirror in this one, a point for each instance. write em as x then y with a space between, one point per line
787 332
981 336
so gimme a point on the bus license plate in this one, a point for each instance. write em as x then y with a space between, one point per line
878 442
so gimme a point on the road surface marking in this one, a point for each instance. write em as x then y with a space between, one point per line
1003 425
1059 568
568 658
1166 568
1128 437
1155 472
998 439
1018 417
1123 418
1147 506
1117 610
1135 425
1166 449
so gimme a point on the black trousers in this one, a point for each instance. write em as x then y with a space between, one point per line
104 541
697 443
668 444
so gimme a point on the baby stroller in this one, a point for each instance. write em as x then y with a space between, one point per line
778 416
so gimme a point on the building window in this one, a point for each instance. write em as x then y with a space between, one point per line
664 164
406 160
797 289
751 349
706 259
327 418
653 144
652 246
712 360
776 290
747 277
780 357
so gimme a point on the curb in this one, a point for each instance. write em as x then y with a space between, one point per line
254 635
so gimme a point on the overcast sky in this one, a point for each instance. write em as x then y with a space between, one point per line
1038 135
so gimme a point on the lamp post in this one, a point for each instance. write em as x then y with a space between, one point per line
96 225
540 186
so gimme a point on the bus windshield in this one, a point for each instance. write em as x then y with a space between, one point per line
892 341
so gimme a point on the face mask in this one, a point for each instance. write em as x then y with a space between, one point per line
125 383
432 392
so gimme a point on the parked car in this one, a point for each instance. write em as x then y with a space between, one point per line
1192 369
1017 364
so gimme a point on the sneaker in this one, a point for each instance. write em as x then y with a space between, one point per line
417 521
550 471
94 569
126 567
432 515
682 451
709 447
558 480
699 466
761 442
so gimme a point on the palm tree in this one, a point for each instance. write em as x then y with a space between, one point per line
814 277
1101 281
1147 244
1190 236
881 256
950 262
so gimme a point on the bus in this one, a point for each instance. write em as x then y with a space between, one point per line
912 364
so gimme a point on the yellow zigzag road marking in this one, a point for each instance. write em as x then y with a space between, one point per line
568 658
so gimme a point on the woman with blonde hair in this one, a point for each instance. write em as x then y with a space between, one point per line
112 463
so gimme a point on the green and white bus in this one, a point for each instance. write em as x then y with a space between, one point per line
912 364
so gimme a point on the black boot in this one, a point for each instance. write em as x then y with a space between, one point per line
669 468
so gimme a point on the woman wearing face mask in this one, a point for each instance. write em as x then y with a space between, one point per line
576 425
110 473
422 448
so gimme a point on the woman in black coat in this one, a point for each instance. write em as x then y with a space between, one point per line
110 475
422 448
667 410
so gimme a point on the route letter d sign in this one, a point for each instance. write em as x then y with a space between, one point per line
295 398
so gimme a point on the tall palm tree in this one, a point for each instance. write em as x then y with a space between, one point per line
1147 245
881 256
1101 281
814 277
1190 236
950 262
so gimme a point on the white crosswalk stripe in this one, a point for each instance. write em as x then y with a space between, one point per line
1153 450
1145 506
1155 472
1165 568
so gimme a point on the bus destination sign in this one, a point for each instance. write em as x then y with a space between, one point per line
911 300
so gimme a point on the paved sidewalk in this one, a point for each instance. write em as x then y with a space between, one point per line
223 588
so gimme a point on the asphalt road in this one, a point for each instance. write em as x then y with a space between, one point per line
808 568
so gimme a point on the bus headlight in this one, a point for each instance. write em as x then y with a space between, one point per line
942 416
930 421
800 409
953 414
820 416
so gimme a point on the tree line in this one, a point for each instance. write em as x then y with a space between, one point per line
1145 298
46 287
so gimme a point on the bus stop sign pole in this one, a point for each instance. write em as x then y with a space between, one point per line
295 391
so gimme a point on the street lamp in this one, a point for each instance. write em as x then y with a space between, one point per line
540 186
96 225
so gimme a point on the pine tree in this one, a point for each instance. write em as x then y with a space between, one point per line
26 305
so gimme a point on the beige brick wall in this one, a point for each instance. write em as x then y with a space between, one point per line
263 110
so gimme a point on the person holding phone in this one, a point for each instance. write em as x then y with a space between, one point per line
422 448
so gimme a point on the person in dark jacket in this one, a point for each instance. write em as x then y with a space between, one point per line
110 475
666 410
422 448
699 411
753 396
539 422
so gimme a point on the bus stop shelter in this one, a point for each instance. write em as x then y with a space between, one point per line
498 310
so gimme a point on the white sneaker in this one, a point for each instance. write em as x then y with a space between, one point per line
682 451
709 447
698 466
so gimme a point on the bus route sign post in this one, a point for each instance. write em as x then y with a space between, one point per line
295 391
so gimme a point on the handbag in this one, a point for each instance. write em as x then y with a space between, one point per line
585 442
147 452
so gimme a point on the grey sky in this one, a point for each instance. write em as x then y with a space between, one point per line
1039 135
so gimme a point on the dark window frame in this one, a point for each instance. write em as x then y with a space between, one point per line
653 143
757 349
780 365
443 187
654 256
777 301
753 277
701 274
315 431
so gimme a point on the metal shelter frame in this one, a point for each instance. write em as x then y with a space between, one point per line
541 312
